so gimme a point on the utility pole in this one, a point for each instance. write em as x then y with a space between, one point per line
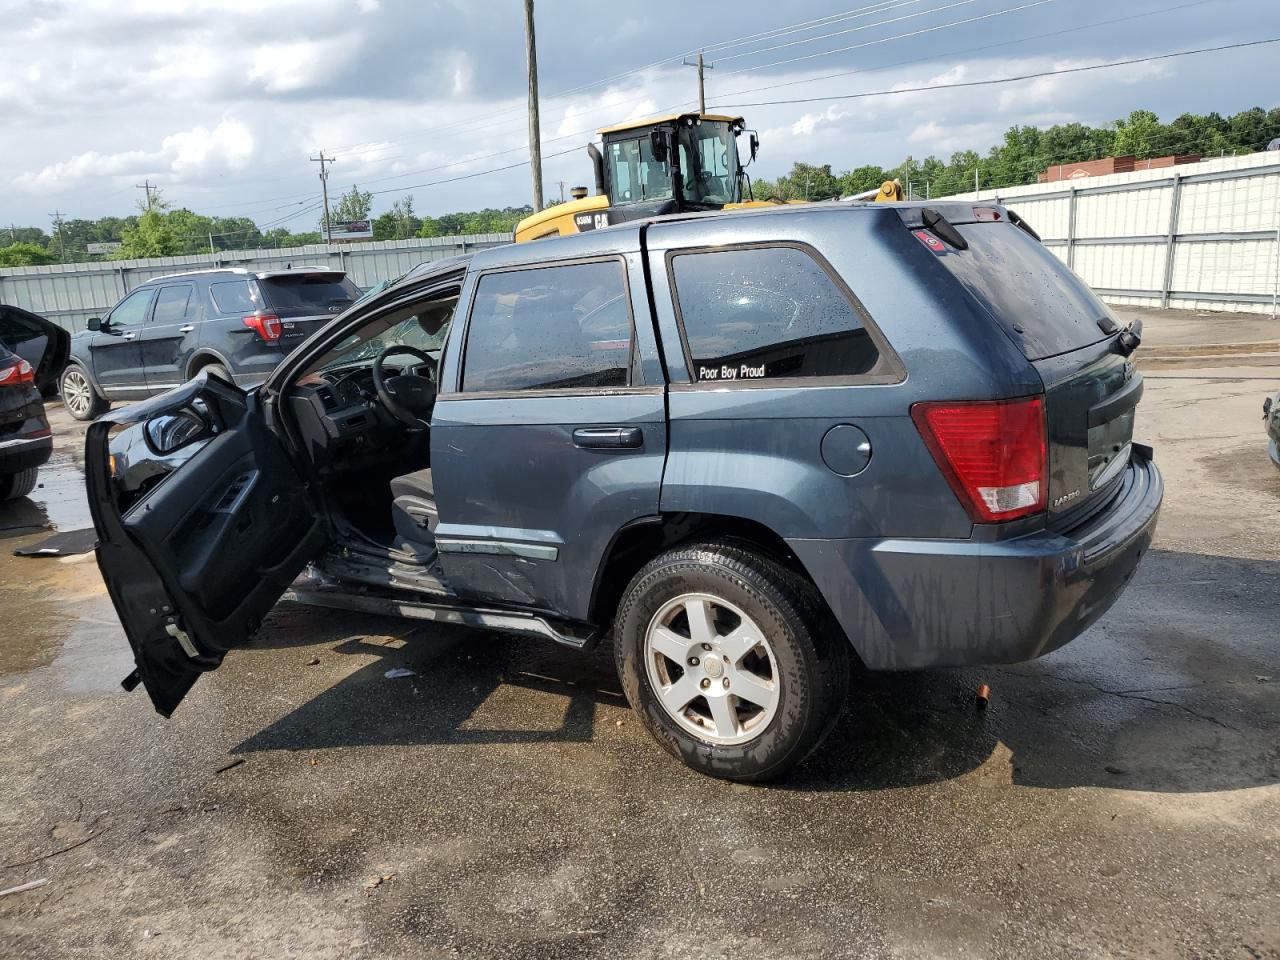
535 135
148 186
561 182
324 187
702 80
62 243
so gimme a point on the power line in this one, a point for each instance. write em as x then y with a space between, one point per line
470 176
953 53
898 36
838 33
1025 76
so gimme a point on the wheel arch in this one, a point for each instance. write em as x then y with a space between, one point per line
85 368
203 357
638 542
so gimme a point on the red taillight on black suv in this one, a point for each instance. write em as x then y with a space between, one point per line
994 454
265 325
16 371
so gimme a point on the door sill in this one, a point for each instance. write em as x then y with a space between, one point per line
327 594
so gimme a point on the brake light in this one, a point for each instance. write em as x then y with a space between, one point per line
993 453
16 372
265 325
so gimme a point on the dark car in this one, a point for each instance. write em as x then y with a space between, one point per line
746 446
32 351
235 323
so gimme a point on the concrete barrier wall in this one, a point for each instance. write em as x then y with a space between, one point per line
70 293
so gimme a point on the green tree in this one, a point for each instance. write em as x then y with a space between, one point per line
352 205
24 254
151 236
1138 135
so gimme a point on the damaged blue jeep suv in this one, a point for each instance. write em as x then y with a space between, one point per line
747 447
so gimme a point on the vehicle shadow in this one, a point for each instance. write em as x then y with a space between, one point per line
1163 695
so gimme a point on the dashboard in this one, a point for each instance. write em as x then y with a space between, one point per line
340 418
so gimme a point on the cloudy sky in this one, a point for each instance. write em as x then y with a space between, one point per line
221 102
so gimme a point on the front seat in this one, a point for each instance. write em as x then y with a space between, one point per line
413 511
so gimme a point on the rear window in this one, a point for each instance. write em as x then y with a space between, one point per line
765 313
308 295
1042 305
234 296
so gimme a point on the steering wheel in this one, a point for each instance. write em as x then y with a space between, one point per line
408 397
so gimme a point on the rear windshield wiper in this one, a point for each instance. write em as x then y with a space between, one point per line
942 228
1021 224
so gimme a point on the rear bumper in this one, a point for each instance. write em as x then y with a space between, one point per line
23 453
907 604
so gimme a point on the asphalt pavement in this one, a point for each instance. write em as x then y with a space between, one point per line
1118 798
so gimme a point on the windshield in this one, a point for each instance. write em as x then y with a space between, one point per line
423 326
309 295
708 163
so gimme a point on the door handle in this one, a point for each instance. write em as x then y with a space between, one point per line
187 329
608 437
128 335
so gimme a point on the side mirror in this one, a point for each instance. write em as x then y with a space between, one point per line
660 144
95 323
755 144
169 433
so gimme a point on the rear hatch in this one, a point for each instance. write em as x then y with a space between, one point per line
305 301
40 342
1062 328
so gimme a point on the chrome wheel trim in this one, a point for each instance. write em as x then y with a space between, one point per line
76 392
712 669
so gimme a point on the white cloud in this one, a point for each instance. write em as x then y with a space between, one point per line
289 67
181 155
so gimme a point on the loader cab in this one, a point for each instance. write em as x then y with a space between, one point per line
686 162
645 168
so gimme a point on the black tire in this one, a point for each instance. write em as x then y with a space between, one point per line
79 395
811 654
15 485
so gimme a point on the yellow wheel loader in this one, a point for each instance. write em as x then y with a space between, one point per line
673 164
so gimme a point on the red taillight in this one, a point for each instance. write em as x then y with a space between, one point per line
15 372
266 325
993 453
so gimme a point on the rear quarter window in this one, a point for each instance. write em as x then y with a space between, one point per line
235 296
768 313
1044 307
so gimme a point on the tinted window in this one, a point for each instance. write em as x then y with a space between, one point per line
171 304
308 295
235 296
1041 304
767 313
549 328
132 308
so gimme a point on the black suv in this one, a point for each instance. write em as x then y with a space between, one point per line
747 446
236 323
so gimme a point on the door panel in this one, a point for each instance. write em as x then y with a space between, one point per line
194 565
168 336
116 352
526 512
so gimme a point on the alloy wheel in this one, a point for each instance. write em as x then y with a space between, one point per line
712 669
76 393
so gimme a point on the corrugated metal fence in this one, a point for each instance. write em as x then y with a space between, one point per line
70 293
1199 236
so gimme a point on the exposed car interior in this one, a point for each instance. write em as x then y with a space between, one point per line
362 412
